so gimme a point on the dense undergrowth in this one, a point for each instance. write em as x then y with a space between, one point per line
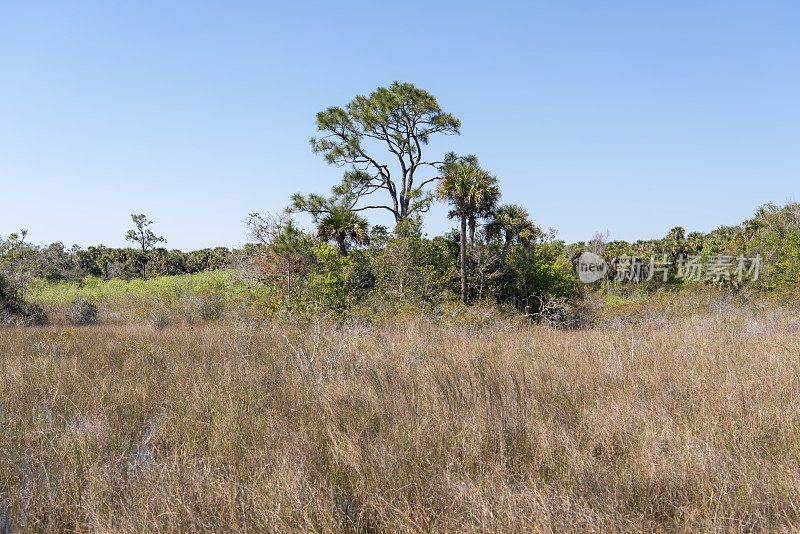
224 296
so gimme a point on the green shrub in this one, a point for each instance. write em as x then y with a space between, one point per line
13 310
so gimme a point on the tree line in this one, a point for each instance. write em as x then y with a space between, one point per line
21 262
496 253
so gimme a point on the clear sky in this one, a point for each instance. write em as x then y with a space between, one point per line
631 117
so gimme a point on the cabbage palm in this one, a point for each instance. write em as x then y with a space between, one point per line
511 221
469 189
488 195
344 226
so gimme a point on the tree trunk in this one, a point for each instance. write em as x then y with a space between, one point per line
471 247
471 233
464 259
289 278
505 251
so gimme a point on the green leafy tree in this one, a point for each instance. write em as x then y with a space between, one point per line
466 187
774 234
381 137
144 237
330 281
537 273
284 254
13 258
407 267
56 263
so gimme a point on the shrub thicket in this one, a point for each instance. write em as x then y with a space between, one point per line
14 310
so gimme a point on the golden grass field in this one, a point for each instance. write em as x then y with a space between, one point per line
239 426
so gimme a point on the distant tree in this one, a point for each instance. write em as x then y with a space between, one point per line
401 119
677 234
14 258
144 237
675 245
695 242
22 235
465 186
96 260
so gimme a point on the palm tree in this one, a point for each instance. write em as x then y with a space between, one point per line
695 240
469 189
344 226
511 221
677 234
488 195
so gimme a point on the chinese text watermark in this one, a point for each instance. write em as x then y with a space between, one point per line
691 268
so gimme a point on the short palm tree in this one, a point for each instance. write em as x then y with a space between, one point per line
344 226
512 223
469 189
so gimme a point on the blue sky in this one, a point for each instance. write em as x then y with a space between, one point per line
631 117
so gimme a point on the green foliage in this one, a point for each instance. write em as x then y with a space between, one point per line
97 290
508 261
774 233
784 270
283 254
537 271
471 190
411 268
332 283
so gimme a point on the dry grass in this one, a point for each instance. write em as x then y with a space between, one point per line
236 427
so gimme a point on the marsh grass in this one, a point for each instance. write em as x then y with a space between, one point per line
411 426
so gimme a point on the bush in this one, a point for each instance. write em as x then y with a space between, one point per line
82 312
212 305
538 277
13 310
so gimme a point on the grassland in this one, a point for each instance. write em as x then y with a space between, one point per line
690 423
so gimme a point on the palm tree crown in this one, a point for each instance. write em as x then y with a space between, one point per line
470 189
344 226
512 222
